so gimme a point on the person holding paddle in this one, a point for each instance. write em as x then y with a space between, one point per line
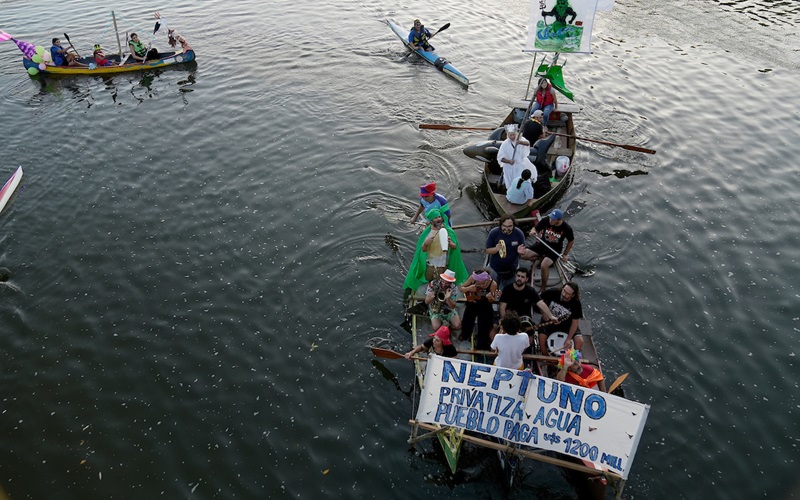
138 50
572 371
439 342
62 56
418 37
550 234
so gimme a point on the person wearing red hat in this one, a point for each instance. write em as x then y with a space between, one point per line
428 199
439 342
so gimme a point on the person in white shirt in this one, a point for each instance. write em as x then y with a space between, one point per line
510 344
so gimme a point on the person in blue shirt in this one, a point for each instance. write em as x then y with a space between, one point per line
428 199
61 56
418 37
521 190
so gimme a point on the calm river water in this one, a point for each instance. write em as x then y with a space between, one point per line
200 256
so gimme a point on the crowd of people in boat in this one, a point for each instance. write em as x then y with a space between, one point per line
139 52
504 284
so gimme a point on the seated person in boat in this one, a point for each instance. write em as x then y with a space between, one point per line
176 39
509 344
62 56
441 296
428 199
100 57
513 155
545 100
520 297
550 233
565 304
481 291
431 258
418 37
572 371
139 50
521 190
532 129
502 247
439 342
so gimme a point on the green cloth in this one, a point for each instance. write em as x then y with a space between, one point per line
419 264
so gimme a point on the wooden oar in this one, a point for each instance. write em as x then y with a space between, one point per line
390 354
617 382
624 146
444 126
73 47
492 222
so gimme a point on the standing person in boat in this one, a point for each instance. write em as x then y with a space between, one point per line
552 231
521 190
520 297
481 291
429 199
545 100
439 343
566 305
509 344
62 56
572 371
418 37
139 50
430 259
441 296
502 247
513 155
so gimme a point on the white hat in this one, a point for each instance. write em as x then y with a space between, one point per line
449 276
536 113
511 128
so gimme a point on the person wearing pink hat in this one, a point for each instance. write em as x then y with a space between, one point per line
439 342
428 199
441 295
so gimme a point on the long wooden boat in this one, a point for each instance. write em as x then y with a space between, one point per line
561 123
167 59
9 187
432 57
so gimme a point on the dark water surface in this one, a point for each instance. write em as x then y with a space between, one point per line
203 255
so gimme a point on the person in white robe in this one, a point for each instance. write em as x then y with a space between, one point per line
513 156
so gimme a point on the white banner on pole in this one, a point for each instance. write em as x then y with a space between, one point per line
561 26
533 411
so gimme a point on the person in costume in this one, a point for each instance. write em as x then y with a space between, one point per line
418 37
139 50
430 259
572 371
430 199
513 155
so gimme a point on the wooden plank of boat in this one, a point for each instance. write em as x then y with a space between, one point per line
432 57
562 146
9 187
450 438
167 59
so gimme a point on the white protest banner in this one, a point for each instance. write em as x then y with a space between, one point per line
534 411
561 26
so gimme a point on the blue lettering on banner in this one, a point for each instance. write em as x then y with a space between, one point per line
450 371
501 375
442 409
526 377
470 419
558 419
568 396
474 375
521 433
549 398
595 406
612 461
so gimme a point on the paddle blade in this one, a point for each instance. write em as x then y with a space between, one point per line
158 25
443 27
617 382
386 353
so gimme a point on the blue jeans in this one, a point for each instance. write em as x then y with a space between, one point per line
545 112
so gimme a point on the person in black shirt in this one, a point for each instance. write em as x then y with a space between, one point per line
564 303
551 233
520 297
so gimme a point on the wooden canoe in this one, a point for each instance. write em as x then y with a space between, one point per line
167 59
